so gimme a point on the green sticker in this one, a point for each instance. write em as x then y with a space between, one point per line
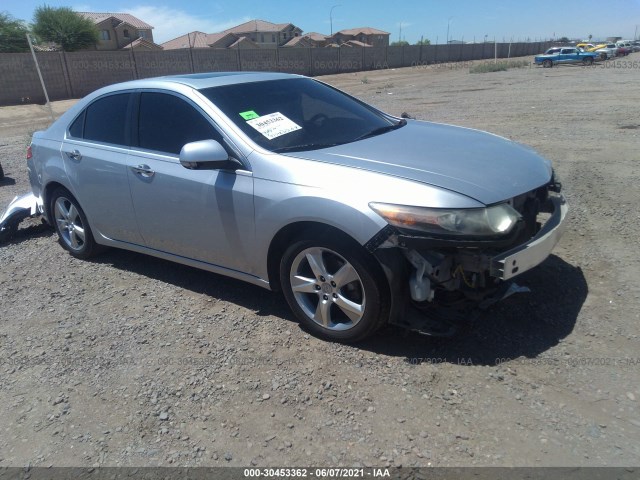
249 114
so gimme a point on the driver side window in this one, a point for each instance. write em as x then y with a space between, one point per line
166 123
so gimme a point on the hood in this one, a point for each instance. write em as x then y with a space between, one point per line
477 164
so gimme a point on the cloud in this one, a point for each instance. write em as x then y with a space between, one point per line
169 23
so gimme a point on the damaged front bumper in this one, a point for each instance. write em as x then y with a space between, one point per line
20 208
524 257
440 285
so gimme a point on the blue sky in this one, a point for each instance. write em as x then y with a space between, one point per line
466 18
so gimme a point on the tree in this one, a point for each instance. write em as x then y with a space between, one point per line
400 43
13 34
563 40
64 27
423 41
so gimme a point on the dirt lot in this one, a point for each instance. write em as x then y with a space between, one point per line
129 360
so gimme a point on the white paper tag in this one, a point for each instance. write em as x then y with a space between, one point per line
273 125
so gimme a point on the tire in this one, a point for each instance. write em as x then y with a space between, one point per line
72 226
547 64
339 292
588 61
8 233
603 56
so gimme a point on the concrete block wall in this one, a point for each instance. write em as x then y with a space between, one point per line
73 75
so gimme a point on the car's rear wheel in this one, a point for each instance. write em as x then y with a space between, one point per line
547 64
587 61
72 226
603 56
334 287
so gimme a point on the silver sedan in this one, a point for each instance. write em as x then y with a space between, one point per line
358 217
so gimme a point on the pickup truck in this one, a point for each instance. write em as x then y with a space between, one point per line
561 55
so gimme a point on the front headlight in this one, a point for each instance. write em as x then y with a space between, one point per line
477 222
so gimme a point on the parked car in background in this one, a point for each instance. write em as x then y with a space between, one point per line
596 47
608 51
624 48
565 55
360 218
585 46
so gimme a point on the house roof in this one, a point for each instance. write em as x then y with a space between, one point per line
123 17
258 26
306 40
364 30
318 37
355 43
203 40
242 40
213 38
192 39
298 42
141 42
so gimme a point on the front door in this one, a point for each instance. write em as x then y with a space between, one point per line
205 215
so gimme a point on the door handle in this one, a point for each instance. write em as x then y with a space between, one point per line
144 171
75 155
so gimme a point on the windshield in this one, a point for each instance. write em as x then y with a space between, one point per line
297 114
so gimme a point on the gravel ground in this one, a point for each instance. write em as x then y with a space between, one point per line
132 361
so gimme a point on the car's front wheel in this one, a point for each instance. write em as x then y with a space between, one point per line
72 226
547 64
334 287
587 61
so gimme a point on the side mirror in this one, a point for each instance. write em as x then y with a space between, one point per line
206 154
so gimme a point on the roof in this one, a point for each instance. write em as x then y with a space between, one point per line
199 80
203 40
364 30
258 26
318 37
355 43
242 40
213 38
306 40
298 42
188 40
141 42
123 17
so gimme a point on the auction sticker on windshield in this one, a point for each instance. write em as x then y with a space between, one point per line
274 125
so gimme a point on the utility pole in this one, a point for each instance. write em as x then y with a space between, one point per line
44 89
331 17
448 24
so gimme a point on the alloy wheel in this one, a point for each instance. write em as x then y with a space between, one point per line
327 288
69 222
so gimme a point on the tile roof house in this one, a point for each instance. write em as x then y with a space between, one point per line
120 30
361 36
209 40
266 34
308 40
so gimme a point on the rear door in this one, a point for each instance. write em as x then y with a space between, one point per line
206 215
94 154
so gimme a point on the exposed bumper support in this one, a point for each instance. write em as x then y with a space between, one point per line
24 206
524 257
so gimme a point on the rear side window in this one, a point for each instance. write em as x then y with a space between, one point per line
77 127
167 123
106 119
